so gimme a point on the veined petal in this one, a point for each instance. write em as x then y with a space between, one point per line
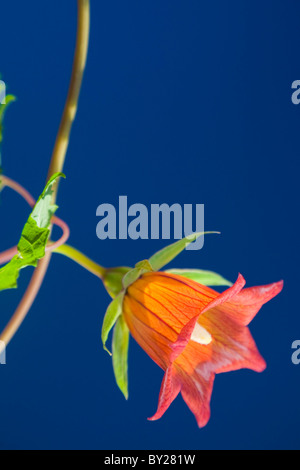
192 332
162 345
161 311
169 291
195 387
244 306
157 346
196 391
169 390
227 295
232 347
196 366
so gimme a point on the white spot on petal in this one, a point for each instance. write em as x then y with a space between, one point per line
200 335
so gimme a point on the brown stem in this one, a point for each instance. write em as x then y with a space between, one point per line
69 113
57 160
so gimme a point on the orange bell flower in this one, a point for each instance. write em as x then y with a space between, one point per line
193 332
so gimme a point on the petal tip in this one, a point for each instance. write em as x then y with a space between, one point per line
240 280
154 417
203 417
262 367
279 285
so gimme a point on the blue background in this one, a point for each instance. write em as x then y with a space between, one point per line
182 101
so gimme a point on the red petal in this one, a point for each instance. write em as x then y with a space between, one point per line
228 294
197 364
161 312
196 391
169 390
244 306
198 403
196 383
232 346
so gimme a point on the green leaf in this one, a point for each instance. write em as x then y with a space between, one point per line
34 237
112 314
207 278
120 354
167 254
44 209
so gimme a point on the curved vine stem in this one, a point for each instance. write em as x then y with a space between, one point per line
57 161
81 259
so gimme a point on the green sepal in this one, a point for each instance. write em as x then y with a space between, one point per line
206 278
141 268
112 314
120 345
112 279
144 265
34 237
167 254
131 277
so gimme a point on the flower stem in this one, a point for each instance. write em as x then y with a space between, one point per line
57 161
81 259
69 113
